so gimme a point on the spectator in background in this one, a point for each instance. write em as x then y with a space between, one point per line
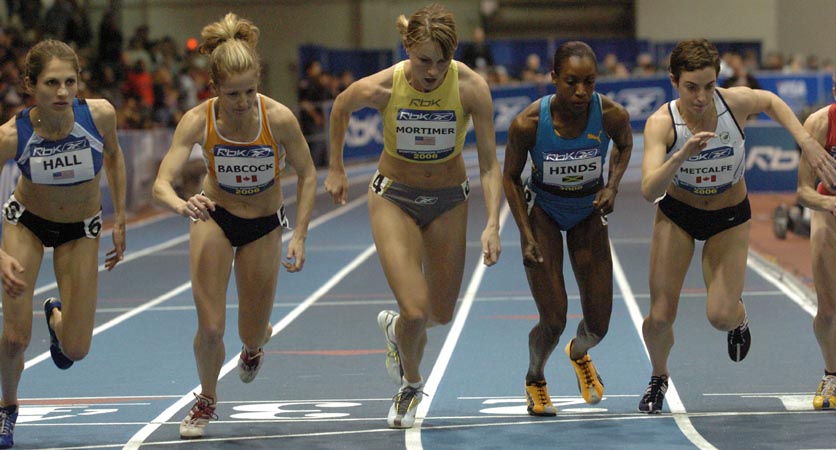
796 64
311 95
477 55
533 71
774 60
138 83
740 75
645 66
77 31
346 78
110 42
56 19
609 65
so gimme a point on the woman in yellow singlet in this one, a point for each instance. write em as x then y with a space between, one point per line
417 199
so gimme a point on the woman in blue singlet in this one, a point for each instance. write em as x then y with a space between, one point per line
693 169
60 146
567 136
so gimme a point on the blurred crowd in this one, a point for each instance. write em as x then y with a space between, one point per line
150 82
737 68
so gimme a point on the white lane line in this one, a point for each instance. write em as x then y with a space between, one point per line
131 255
137 439
179 289
117 320
672 396
799 294
413 435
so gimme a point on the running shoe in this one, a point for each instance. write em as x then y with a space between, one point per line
203 410
654 396
590 383
537 397
386 322
8 417
825 397
58 357
739 341
249 364
404 404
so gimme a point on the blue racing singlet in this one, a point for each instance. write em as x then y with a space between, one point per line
72 160
570 167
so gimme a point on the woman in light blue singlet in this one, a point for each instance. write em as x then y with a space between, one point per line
567 136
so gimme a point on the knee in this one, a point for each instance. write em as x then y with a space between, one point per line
723 319
656 325
211 333
413 318
552 327
825 316
15 343
596 332
442 318
75 352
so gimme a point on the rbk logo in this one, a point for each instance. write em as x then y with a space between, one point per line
424 103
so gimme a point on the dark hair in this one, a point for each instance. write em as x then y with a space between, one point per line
694 54
42 53
570 49
430 24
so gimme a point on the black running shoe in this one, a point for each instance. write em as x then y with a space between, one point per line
58 357
654 396
739 341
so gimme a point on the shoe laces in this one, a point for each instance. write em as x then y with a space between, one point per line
737 333
587 370
204 407
656 389
542 395
404 398
6 422
251 361
829 386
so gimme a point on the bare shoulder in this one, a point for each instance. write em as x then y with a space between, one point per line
470 80
659 126
473 88
817 123
193 123
8 140
275 109
100 107
612 109
104 114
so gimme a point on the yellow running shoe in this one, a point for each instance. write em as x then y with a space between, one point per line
825 397
589 382
537 397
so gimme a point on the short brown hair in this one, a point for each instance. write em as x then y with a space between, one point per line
432 23
694 54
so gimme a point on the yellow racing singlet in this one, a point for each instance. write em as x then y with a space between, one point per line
242 168
424 127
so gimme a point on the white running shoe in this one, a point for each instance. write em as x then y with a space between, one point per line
386 322
203 410
404 404
249 364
